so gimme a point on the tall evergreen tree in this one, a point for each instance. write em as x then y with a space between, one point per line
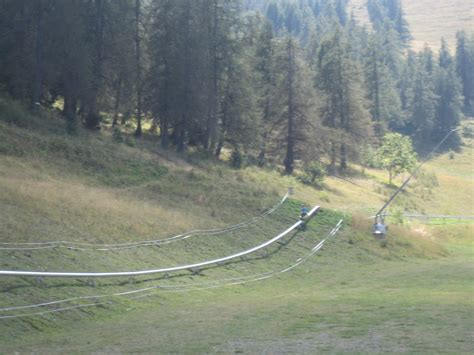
164 71
71 56
423 107
344 108
265 89
138 63
96 24
465 69
385 108
388 15
295 101
448 90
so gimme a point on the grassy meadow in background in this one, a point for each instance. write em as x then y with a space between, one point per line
429 20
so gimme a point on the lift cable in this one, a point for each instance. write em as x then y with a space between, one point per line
405 183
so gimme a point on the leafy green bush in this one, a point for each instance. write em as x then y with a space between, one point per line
251 160
117 134
396 155
368 157
468 131
314 174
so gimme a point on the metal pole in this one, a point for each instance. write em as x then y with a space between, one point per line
405 183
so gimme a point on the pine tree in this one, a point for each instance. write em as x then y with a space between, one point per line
385 108
96 32
70 53
120 59
422 111
164 71
39 53
266 85
239 118
405 88
22 46
448 89
294 101
344 108
138 63
388 15
465 69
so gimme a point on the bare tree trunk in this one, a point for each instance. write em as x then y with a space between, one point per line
70 109
138 131
378 123
263 147
125 117
343 116
332 163
164 125
290 141
187 82
164 119
118 96
343 163
263 151
220 144
213 99
39 54
92 118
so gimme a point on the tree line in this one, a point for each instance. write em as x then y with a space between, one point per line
277 81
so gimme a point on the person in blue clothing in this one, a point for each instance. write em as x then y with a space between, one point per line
304 212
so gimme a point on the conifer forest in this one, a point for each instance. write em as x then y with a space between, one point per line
276 81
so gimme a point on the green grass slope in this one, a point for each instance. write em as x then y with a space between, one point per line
410 292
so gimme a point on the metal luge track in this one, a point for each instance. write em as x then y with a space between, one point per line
153 290
311 213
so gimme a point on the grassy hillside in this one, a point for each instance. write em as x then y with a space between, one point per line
429 20
410 292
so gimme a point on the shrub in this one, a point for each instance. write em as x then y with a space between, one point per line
251 160
368 157
468 131
396 155
397 217
117 134
314 174
131 142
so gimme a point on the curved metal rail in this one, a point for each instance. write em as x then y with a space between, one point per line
311 213
167 288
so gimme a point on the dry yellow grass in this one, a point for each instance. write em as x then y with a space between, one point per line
429 20
102 213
